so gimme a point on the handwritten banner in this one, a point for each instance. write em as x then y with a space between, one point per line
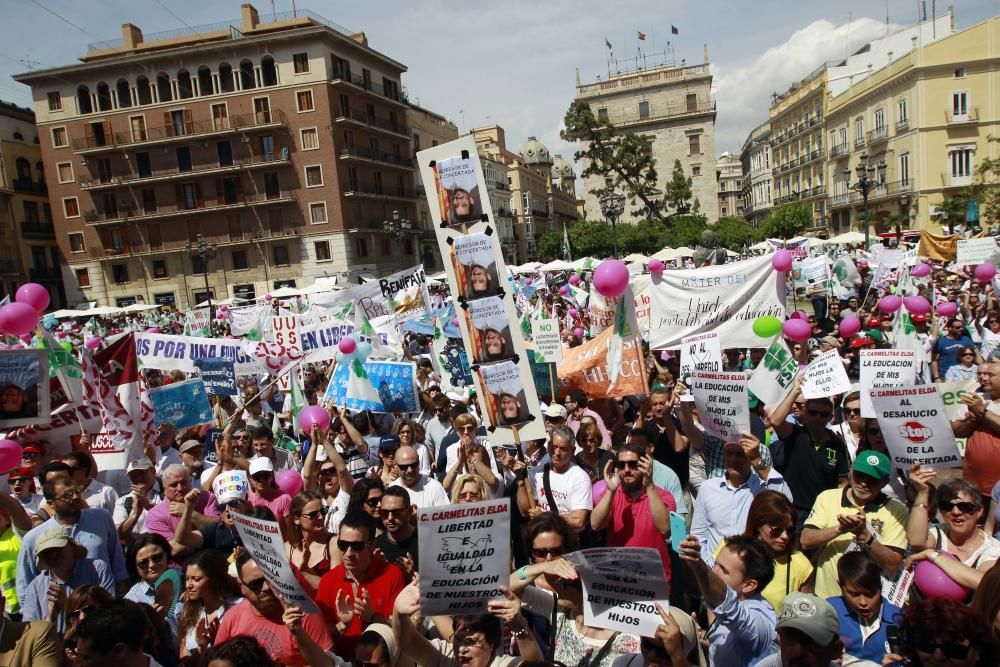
721 399
218 375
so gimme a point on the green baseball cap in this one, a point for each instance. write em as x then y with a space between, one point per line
874 464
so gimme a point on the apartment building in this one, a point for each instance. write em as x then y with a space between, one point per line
281 141
729 176
755 159
428 129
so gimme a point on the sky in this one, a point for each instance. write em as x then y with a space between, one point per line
514 62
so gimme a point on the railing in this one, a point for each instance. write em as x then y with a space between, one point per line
127 178
28 186
384 191
839 201
369 85
839 149
902 124
878 134
252 199
624 119
641 78
859 142
30 228
190 129
254 236
368 154
970 116
374 121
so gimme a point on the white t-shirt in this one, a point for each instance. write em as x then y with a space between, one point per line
427 493
571 489
335 512
452 456
100 495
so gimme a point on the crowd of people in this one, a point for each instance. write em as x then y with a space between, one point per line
797 535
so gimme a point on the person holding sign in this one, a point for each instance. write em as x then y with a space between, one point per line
560 486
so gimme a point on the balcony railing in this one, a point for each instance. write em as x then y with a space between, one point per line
254 236
123 178
839 201
27 186
953 181
371 190
970 116
181 131
672 111
381 156
902 124
838 150
859 142
372 87
31 228
878 134
253 199
385 124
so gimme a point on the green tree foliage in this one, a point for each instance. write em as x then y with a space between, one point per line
732 232
678 192
986 188
592 238
786 221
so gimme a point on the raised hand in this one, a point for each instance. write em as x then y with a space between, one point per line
345 608
506 607
610 476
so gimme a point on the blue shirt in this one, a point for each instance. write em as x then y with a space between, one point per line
667 479
875 647
144 593
947 348
86 571
94 531
744 631
721 511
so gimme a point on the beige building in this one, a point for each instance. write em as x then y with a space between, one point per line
495 175
673 108
428 129
729 176
755 159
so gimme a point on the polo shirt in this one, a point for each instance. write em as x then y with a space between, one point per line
810 467
274 637
159 520
886 516
631 523
383 582
875 646
280 505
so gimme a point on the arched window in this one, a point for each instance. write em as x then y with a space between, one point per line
103 97
124 94
142 91
205 80
247 80
23 169
163 87
226 84
184 89
83 99
268 71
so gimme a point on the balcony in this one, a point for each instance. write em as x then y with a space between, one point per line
29 187
182 132
220 240
44 275
372 191
953 181
359 117
840 201
121 179
358 153
340 78
245 201
878 134
33 229
902 125
623 119
813 156
970 116
859 142
838 150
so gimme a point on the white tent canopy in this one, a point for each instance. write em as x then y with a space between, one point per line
848 237
635 257
232 301
586 264
556 265
286 292
139 307
763 245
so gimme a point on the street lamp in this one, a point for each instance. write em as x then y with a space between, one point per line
868 178
612 207
204 252
397 229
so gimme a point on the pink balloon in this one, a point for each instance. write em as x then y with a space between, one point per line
849 326
18 318
93 343
528 281
153 330
934 583
655 266
797 330
574 279
781 260
314 415
10 456
946 309
985 272
917 305
798 315
347 345
454 322
289 481
921 270
573 312
578 332
219 315
890 303
34 295
665 355
268 297
564 290
611 278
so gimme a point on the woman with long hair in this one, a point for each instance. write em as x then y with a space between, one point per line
147 560
310 547
329 479
986 601
367 496
79 602
966 367
210 592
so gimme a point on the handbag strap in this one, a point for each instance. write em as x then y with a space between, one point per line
547 488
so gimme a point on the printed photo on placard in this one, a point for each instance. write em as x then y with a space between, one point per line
490 329
458 191
24 388
474 259
507 405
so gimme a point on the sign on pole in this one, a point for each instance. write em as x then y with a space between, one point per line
772 379
263 540
885 368
915 427
825 376
721 399
976 251
548 343
702 353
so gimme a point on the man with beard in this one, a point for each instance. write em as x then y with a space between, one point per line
398 543
424 490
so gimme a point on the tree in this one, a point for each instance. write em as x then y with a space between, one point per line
786 221
987 189
678 191
732 232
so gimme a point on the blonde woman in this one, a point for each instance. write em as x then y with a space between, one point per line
469 488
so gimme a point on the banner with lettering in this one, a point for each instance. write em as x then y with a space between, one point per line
885 368
169 353
722 402
586 367
393 380
916 427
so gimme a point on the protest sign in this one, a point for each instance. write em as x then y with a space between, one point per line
24 381
367 296
885 368
489 326
799 246
544 375
701 352
815 273
726 298
773 377
621 587
643 304
825 376
464 556
951 396
915 427
548 343
393 380
183 404
61 433
284 330
586 367
600 312
722 402
197 322
249 319
976 251
177 353
406 293
218 376
263 540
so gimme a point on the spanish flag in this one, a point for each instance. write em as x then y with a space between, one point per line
642 36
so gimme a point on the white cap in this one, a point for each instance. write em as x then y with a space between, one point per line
230 485
260 464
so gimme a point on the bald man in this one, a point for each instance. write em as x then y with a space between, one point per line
424 491
981 428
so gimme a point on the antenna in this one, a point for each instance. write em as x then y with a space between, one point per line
28 62
887 17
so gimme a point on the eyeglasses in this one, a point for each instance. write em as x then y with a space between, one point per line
852 411
257 585
952 649
71 494
631 465
819 413
244 436
315 515
545 553
373 502
963 506
384 512
146 563
261 476
468 641
76 613
406 466
357 547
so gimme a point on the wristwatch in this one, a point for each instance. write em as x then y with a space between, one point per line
933 555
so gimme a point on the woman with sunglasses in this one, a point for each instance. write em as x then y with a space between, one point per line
310 547
592 458
147 560
945 633
367 496
960 508
966 367
79 603
851 428
411 433
386 471
209 593
469 488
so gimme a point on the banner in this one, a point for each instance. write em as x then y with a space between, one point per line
885 368
183 404
169 353
976 251
114 388
586 367
773 377
700 353
725 298
722 402
643 307
24 381
406 293
61 433
393 380
218 376
951 396
916 428
367 296
799 246
464 556
244 320
601 313
548 342
263 540
825 376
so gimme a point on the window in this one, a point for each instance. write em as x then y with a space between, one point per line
960 105
694 144
602 115
59 137
198 265
71 207
138 126
159 269
220 116
155 237
859 129
360 248
280 255
317 213
55 101
314 176
960 160
696 170
843 136
240 261
901 112
643 109
879 119
959 72
322 251
76 242
904 168
148 197
304 100
309 138
119 273
31 212
692 101
64 171
301 62
83 277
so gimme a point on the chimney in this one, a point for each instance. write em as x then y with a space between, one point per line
131 36
250 16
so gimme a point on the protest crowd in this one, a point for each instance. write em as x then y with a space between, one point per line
346 478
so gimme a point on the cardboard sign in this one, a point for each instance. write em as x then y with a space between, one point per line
976 251
916 427
885 368
825 376
24 381
951 396
218 375
264 542
464 556
183 404
547 340
702 353
586 367
772 379
721 399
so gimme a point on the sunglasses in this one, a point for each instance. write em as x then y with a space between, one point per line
388 453
18 480
819 413
407 466
631 465
257 585
328 472
545 553
315 515
145 563
373 502
466 428
76 613
553 419
29 455
952 649
852 411
964 506
357 546
390 512
241 437
261 476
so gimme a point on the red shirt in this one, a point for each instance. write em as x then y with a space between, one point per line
631 523
383 583
275 637
982 459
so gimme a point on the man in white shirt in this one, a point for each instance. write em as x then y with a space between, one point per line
167 456
424 491
131 509
95 493
569 483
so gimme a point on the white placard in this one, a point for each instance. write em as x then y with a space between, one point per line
545 334
915 427
825 376
701 353
951 395
885 368
721 399
976 251
264 542
773 378
464 556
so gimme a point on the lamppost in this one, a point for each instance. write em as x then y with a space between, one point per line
868 178
612 207
204 252
397 229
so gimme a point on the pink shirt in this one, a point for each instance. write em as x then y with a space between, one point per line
280 506
274 637
631 523
159 520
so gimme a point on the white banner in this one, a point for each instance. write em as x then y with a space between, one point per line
951 396
464 556
772 379
976 251
916 428
721 399
885 368
548 343
825 376
243 320
406 293
725 298
264 542
702 353
643 309
169 353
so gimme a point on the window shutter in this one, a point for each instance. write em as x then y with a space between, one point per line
197 195
188 122
168 124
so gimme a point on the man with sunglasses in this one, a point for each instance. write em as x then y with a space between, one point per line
398 544
437 429
424 490
22 487
360 590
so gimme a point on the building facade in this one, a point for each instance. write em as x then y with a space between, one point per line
429 129
673 108
729 176
280 141
755 159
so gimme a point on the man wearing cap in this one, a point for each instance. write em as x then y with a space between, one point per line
22 487
264 492
192 454
859 513
808 634
33 457
131 509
